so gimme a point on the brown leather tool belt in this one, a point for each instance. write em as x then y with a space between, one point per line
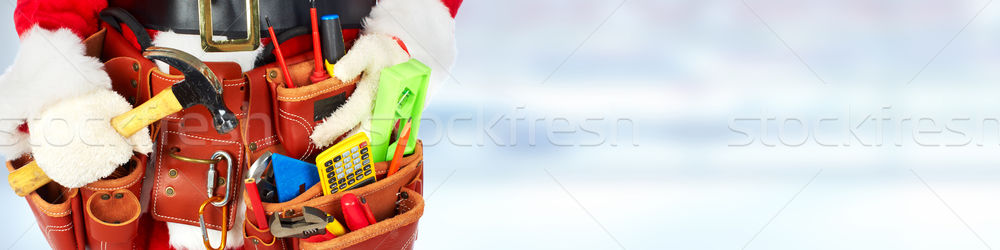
107 214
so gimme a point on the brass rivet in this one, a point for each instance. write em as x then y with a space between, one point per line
105 197
170 191
221 182
135 66
253 146
119 195
272 74
172 173
135 84
255 241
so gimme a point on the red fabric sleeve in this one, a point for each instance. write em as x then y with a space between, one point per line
80 16
452 6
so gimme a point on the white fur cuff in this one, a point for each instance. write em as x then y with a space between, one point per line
74 143
427 29
50 66
370 54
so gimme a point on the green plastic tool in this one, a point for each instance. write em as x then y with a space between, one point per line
401 93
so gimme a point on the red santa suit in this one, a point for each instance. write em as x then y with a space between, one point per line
52 78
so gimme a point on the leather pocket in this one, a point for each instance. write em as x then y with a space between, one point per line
397 232
112 209
182 185
257 238
298 110
113 220
57 211
382 197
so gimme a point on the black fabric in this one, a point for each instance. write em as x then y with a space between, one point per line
268 56
228 18
117 16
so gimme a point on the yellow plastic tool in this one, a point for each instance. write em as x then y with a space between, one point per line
347 165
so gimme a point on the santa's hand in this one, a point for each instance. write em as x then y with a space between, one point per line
74 143
371 53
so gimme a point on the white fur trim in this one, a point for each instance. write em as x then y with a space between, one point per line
192 45
189 237
74 143
370 54
50 66
427 29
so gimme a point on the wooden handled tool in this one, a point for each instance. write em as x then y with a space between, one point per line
200 87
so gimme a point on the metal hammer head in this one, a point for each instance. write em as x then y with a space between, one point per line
200 85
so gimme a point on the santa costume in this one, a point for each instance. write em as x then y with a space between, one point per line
52 79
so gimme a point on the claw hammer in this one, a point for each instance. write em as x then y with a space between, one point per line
200 87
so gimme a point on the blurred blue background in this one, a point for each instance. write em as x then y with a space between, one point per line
637 125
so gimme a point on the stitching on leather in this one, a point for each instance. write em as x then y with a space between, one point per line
60 214
63 228
309 148
377 233
114 188
273 136
364 194
159 163
247 235
165 79
175 118
296 121
266 144
296 116
410 241
310 95
203 138
159 157
302 122
239 82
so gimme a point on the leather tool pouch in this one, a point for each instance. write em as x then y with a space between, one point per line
271 118
188 146
112 209
57 211
298 110
396 213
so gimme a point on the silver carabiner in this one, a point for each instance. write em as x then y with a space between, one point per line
211 179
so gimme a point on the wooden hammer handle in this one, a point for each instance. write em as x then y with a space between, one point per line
30 177
27 179
161 105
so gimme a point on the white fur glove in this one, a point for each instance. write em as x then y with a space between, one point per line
74 143
370 54
64 95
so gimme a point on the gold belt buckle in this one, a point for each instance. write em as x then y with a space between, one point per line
251 42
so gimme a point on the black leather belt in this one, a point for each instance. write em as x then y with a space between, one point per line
228 18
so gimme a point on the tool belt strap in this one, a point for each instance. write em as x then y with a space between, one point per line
228 16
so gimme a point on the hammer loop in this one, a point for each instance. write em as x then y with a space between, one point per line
174 151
